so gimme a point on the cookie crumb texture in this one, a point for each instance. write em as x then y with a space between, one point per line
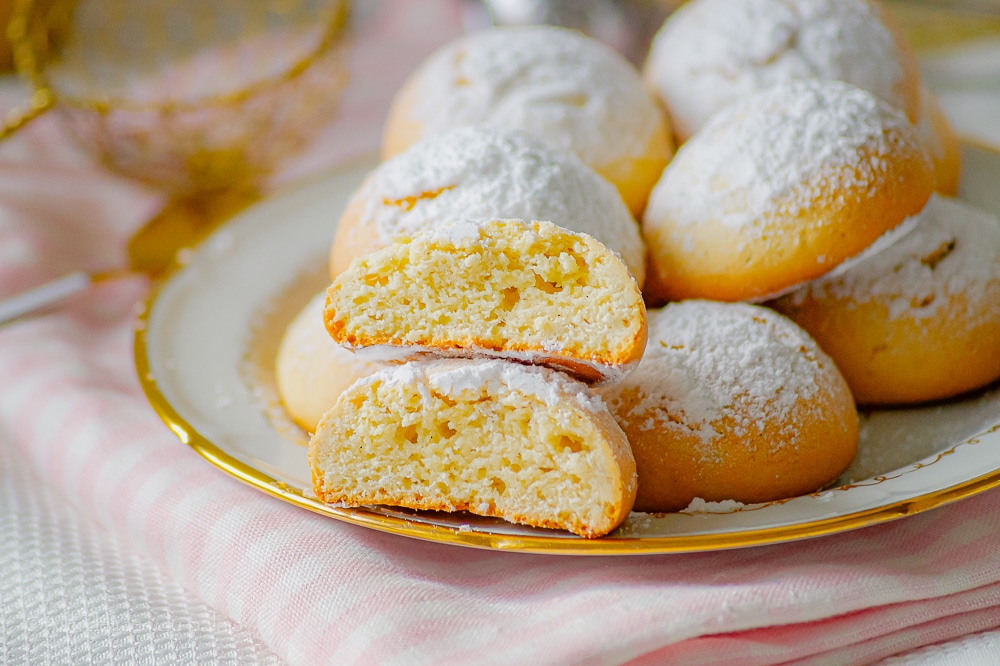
493 438
532 290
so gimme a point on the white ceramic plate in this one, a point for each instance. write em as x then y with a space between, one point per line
205 349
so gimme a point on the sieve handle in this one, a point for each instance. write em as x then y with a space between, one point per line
43 295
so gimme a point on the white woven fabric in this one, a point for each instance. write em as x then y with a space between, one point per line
974 650
72 594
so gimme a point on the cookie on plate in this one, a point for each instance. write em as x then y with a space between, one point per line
710 53
483 173
527 291
494 438
311 370
779 188
558 85
918 320
732 402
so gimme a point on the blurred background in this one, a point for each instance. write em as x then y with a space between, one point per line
120 55
106 43
212 102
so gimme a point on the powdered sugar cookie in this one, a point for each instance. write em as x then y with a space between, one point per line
778 189
919 320
482 173
712 52
311 369
560 86
732 402
494 438
529 291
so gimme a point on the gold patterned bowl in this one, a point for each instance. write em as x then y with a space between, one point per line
201 99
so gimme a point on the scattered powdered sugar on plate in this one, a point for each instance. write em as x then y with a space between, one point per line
404 353
637 523
712 52
641 523
787 149
891 440
479 174
952 251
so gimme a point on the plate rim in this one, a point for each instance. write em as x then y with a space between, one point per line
559 543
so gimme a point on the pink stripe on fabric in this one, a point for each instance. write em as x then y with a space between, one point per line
257 548
64 420
935 631
293 591
220 550
386 642
135 493
70 443
796 641
162 534
189 518
279 607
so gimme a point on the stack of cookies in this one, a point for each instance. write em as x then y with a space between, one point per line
483 346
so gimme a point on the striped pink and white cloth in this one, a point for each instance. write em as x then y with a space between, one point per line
318 591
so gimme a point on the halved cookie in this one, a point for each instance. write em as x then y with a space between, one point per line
526 291
526 444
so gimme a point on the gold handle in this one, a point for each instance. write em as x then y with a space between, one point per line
40 102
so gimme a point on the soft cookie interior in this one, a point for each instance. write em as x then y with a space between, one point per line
530 291
494 438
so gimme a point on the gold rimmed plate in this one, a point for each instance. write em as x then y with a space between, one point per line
206 340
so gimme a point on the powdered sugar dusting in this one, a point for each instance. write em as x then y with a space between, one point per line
456 233
706 361
711 52
458 379
400 353
479 173
954 250
558 85
782 151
